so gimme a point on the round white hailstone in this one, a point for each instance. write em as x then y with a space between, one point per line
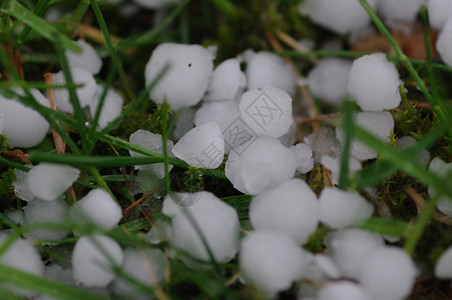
184 123
45 211
111 109
405 141
444 43
22 256
438 13
92 258
15 216
155 4
333 164
153 142
84 93
23 126
146 266
272 261
350 248
218 222
343 290
289 208
48 181
202 147
327 266
399 12
188 77
374 83
288 139
441 168
226 82
339 209
87 59
303 154
265 163
378 123
388 274
268 69
443 266
267 111
338 16
21 188
328 80
98 208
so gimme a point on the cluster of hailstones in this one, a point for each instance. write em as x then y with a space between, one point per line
248 115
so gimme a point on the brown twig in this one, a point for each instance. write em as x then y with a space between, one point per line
289 41
420 205
233 279
317 119
139 201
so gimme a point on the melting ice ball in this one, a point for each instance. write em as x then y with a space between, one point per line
227 81
444 42
87 59
443 267
438 13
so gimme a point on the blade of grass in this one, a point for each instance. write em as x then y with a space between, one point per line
165 111
38 10
227 8
386 226
101 182
9 163
428 51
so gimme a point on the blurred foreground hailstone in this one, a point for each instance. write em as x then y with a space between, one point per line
272 261
374 83
399 14
216 220
87 59
98 208
406 141
49 181
190 68
92 260
111 108
438 13
267 111
289 208
23 126
265 163
443 266
343 290
444 42
227 81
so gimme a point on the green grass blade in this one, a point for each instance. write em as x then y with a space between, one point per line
165 111
385 226
38 10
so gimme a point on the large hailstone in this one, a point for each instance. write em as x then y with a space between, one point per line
216 220
339 209
443 266
111 108
343 290
227 81
267 111
303 155
188 77
48 181
201 147
87 59
289 208
264 164
388 274
442 169
399 13
438 13
153 142
328 80
23 126
444 43
98 208
272 261
268 69
92 260
378 123
374 83
338 16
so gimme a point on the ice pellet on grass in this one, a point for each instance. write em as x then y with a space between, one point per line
111 108
343 290
374 83
444 42
438 13
48 181
201 147
153 142
21 188
289 208
216 220
405 141
443 266
338 16
45 211
92 260
187 78
339 209
23 126
268 69
84 93
267 111
378 123
146 266
350 248
328 80
388 274
98 208
333 164
87 59
265 163
303 155
272 261
399 14
227 81
441 168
